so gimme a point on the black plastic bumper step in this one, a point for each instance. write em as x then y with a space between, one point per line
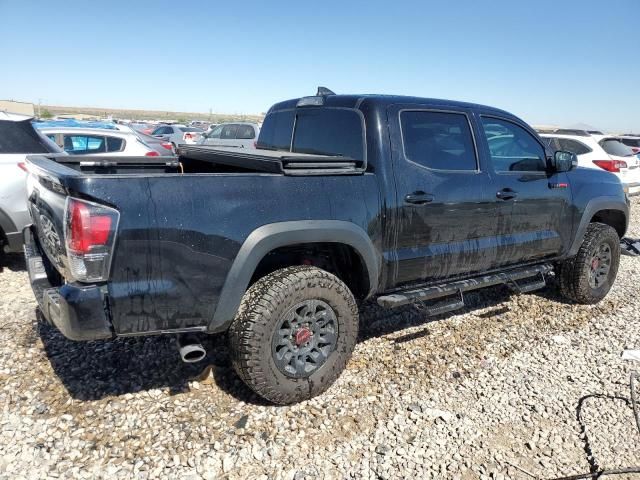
512 278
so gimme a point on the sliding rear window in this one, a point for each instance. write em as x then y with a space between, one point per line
318 131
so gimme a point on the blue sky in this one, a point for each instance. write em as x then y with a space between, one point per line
560 61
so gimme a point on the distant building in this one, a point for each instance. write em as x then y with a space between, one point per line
23 108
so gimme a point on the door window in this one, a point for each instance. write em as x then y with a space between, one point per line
512 148
215 133
115 144
229 132
84 144
438 140
573 146
245 132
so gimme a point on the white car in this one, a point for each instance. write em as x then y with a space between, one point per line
99 141
232 135
177 134
18 138
606 152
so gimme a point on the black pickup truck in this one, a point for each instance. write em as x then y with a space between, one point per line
347 198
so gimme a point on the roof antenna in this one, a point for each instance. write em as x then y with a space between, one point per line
322 91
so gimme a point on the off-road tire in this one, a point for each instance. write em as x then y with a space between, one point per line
573 273
252 331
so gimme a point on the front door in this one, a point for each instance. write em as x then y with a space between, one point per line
532 203
444 215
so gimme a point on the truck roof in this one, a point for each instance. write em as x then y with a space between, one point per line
383 101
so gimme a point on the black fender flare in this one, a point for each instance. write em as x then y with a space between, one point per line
274 235
594 206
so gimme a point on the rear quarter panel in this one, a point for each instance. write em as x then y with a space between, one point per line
179 234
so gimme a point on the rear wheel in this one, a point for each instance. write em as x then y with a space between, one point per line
294 333
588 277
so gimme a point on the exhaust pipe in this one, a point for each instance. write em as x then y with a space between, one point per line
190 349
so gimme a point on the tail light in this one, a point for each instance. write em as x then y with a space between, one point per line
90 233
611 165
23 166
167 145
152 153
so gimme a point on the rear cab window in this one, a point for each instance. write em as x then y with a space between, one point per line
315 130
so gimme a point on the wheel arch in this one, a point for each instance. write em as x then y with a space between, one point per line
608 210
270 237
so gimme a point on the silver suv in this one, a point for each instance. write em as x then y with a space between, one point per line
236 134
18 138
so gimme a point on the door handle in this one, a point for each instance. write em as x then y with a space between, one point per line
418 198
506 194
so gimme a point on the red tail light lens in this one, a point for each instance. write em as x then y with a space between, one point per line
611 165
90 231
22 166
167 145
87 230
152 153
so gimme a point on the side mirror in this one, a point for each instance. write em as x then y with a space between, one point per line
564 161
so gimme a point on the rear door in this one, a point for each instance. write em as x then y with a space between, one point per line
532 204
444 215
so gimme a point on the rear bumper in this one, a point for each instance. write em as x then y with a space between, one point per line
78 311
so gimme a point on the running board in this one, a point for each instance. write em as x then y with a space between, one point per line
510 277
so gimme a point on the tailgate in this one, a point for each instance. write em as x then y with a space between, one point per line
46 198
76 234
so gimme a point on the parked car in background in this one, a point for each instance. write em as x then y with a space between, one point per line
18 138
145 128
631 141
604 152
161 146
98 141
232 135
200 124
177 134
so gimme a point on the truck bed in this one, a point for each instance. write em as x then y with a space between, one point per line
208 159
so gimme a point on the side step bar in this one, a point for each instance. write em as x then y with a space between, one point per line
533 275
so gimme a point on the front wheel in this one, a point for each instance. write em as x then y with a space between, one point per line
294 333
588 277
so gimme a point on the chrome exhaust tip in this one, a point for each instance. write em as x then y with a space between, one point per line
190 349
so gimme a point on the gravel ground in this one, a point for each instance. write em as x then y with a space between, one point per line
514 386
